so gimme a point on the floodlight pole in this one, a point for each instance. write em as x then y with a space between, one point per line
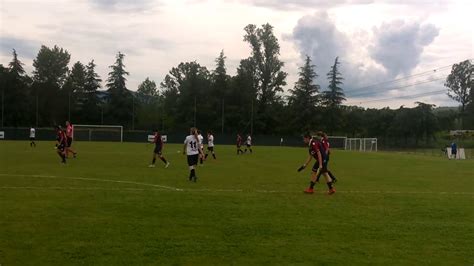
194 110
251 119
133 112
69 106
36 107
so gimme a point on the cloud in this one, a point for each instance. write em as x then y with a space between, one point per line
124 5
24 48
399 45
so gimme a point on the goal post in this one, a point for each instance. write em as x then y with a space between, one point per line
361 144
98 132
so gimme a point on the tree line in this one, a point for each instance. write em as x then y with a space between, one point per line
251 101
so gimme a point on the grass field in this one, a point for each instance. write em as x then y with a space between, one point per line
107 208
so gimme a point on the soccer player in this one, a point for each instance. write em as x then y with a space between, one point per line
158 149
69 135
193 150
62 143
325 142
32 137
201 145
248 143
454 150
316 151
239 144
210 145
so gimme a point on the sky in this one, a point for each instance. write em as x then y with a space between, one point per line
387 49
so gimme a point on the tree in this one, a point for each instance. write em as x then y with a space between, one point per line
147 91
304 98
333 98
148 98
460 83
51 69
188 85
120 101
220 85
15 93
90 112
73 91
269 77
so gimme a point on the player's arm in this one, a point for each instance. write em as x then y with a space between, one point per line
305 163
320 159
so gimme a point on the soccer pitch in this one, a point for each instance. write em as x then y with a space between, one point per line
108 208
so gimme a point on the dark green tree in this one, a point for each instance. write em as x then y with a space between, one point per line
333 98
304 98
269 77
120 101
91 108
460 83
51 69
148 113
220 92
73 91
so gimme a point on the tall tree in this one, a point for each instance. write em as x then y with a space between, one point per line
269 76
148 114
51 69
147 91
73 91
120 101
460 83
15 93
191 82
219 93
91 104
333 98
304 97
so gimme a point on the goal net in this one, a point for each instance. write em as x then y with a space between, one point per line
98 132
361 144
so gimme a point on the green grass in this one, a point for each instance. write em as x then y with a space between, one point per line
107 208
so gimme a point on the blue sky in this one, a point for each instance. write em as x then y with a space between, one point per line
376 41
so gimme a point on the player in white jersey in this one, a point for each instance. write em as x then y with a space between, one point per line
201 144
32 137
193 150
248 143
210 145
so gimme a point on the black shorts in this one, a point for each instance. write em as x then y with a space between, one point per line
249 145
157 150
32 138
61 147
211 149
69 142
454 152
193 159
316 167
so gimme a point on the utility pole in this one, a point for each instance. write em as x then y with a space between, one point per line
37 108
251 120
133 112
194 110
222 115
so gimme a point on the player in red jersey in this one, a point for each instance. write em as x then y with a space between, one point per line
239 144
158 149
69 135
316 151
62 143
324 140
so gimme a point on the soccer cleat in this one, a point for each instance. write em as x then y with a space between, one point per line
167 165
151 166
331 191
309 191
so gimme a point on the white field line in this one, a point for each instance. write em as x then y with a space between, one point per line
97 180
162 188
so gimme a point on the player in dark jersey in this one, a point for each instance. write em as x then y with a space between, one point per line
316 151
61 144
69 136
158 149
239 144
324 140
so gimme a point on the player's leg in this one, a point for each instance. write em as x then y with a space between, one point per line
61 152
329 182
213 153
163 159
153 160
314 175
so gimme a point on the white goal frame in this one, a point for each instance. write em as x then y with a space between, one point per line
361 144
101 126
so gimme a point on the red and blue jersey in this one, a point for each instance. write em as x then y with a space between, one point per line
316 146
61 137
157 140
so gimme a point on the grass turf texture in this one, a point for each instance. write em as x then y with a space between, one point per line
107 208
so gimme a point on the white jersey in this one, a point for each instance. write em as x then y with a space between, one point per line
201 141
191 145
32 132
249 140
210 141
